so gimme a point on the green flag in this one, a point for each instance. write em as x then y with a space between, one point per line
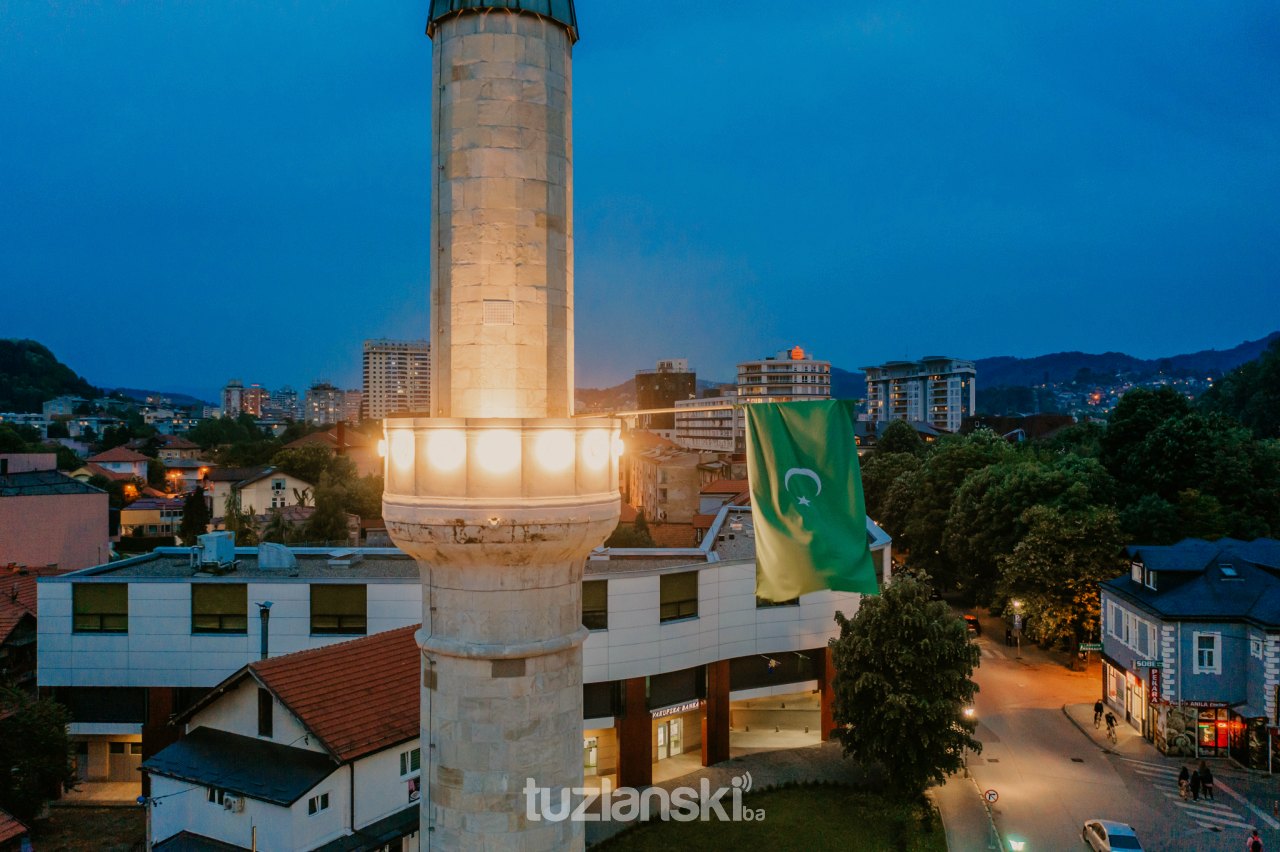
806 498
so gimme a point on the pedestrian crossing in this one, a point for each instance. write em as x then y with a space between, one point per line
1205 813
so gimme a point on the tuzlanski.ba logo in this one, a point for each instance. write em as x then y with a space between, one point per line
627 804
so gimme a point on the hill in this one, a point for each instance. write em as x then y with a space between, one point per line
30 374
1005 371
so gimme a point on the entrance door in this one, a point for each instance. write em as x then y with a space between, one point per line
675 737
663 748
590 755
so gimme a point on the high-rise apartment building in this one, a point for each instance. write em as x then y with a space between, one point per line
937 390
662 388
254 399
789 376
397 377
233 398
325 403
284 403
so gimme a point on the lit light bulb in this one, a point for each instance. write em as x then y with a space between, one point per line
446 449
619 447
499 450
554 449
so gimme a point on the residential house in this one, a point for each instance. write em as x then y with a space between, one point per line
1191 648
122 462
312 750
257 490
176 447
13 834
351 443
663 479
47 517
18 628
152 516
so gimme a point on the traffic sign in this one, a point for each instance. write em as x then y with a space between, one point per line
991 796
1090 646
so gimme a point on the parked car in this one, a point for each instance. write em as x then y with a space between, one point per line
971 622
1104 835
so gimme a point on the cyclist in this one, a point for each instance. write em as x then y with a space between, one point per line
1097 713
1111 727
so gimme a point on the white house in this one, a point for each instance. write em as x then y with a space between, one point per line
316 750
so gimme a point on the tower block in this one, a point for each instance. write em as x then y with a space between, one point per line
497 493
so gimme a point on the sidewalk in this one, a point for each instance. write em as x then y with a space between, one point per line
1130 742
965 818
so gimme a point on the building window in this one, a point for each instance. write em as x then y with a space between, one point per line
679 596
1255 646
410 762
316 804
595 604
338 609
266 721
1208 661
215 795
220 608
100 607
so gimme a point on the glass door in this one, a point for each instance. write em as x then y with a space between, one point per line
663 751
590 755
675 740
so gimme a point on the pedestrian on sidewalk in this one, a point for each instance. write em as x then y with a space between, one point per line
1097 713
1195 786
1253 843
1184 782
1206 780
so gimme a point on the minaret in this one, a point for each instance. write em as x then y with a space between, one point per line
498 494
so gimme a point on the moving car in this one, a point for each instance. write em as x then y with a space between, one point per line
1104 835
971 622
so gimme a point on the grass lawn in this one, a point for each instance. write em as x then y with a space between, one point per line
806 819
90 829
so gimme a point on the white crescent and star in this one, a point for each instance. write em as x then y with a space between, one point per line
802 471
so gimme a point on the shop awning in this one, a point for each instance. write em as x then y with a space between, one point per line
1249 711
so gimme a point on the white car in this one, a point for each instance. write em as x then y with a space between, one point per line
1103 835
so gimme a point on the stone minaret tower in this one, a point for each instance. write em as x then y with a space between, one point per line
496 492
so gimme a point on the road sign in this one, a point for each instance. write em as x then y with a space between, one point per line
1017 621
1148 664
1090 646
991 796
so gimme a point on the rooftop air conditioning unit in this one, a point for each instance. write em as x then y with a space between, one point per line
235 804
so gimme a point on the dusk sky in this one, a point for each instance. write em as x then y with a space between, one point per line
196 191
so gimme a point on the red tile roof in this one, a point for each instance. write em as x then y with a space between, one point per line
176 442
10 828
118 454
356 697
726 486
99 470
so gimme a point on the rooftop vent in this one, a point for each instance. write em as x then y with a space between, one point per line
345 558
271 555
216 552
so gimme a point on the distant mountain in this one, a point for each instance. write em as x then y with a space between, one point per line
179 399
30 374
1006 371
848 385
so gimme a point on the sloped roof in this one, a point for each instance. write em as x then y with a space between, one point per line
726 486
357 697
259 769
94 469
10 827
351 439
187 841
176 442
119 454
673 535
42 483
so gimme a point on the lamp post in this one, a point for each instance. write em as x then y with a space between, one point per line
1017 626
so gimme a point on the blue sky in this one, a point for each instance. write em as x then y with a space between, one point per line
199 191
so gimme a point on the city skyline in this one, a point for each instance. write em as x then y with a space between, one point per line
1016 184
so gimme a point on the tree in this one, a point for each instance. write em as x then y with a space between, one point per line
1250 393
945 468
195 517
900 437
239 521
278 529
879 472
1055 569
35 753
904 667
329 522
1136 414
633 535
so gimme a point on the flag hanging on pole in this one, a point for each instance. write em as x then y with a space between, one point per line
806 498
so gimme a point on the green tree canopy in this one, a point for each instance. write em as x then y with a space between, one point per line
329 522
35 753
879 472
1135 415
1055 569
30 375
904 666
900 437
1250 393
311 462
195 517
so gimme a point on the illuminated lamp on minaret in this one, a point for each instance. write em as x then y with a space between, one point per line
497 492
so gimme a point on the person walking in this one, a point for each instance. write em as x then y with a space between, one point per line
1184 780
1206 781
1253 843
1195 786
1097 713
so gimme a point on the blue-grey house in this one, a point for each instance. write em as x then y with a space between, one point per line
1191 648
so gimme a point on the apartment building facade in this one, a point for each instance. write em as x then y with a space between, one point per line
397 377
937 390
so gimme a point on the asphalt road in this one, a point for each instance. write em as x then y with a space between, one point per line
1050 773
